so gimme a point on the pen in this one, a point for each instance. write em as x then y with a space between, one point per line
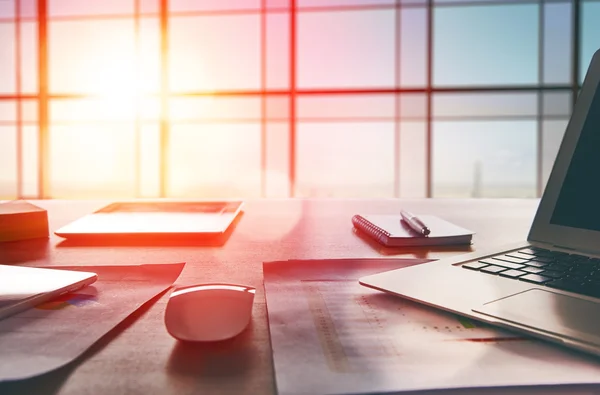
415 223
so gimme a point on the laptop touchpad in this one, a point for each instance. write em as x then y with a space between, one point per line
549 312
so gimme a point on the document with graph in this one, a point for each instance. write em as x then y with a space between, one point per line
55 333
330 335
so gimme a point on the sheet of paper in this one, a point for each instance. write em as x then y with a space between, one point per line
330 335
53 334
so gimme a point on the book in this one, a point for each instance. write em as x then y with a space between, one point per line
20 220
392 231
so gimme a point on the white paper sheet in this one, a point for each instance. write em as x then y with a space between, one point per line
53 334
331 335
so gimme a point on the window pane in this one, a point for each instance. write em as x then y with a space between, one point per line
345 159
149 6
472 45
212 5
278 107
278 160
413 159
557 43
8 162
92 160
476 105
30 161
278 51
8 111
590 35
347 107
104 109
278 4
92 56
553 132
29 111
346 49
215 108
213 62
214 160
413 106
85 110
149 108
413 47
149 165
28 8
557 103
475 1
7 9
484 159
89 7
29 57
148 78
330 3
7 57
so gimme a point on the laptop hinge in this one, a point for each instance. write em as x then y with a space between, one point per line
577 250
559 247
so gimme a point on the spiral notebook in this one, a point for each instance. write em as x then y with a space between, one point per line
392 231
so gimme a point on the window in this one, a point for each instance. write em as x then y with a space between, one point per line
490 158
7 58
590 34
346 49
276 98
473 45
8 161
557 43
362 167
413 52
213 160
214 53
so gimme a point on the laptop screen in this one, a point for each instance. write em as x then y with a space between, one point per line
578 203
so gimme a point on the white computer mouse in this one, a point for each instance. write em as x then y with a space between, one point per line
209 312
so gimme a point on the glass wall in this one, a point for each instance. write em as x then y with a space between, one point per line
278 98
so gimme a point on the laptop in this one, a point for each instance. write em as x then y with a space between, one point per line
549 284
155 220
24 287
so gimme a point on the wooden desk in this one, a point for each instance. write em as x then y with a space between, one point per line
140 357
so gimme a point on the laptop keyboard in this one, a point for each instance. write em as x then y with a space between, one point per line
555 269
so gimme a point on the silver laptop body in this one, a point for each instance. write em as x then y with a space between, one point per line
563 243
24 287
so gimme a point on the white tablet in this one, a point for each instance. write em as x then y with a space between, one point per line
152 219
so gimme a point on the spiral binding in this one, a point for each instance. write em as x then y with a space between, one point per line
366 226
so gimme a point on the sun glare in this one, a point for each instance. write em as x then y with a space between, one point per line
98 132
121 91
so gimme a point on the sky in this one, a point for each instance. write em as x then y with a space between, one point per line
216 141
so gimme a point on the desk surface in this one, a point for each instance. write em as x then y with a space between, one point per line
140 357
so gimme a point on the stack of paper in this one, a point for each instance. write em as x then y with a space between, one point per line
330 335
